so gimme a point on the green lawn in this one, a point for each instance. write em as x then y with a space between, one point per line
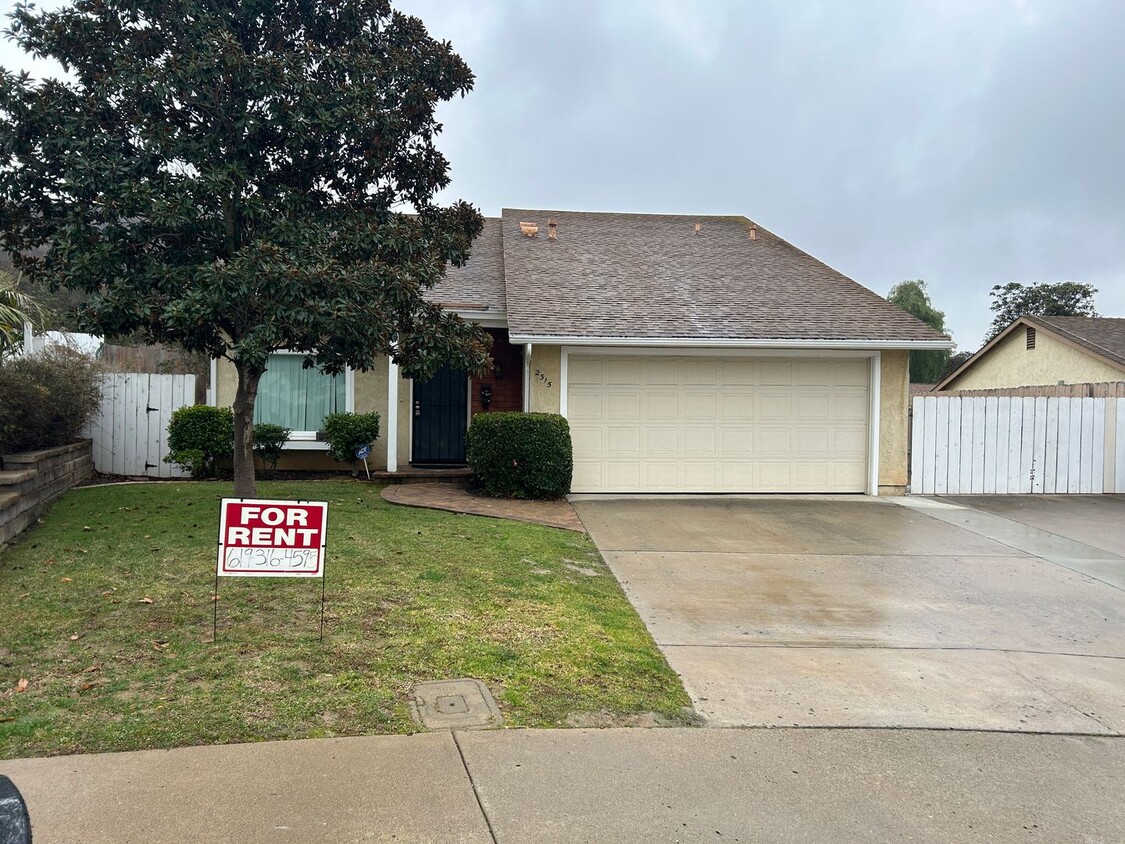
107 614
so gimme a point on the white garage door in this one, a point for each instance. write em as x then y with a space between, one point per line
657 423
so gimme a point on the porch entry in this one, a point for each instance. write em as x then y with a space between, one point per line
440 417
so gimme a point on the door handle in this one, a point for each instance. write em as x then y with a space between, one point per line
417 408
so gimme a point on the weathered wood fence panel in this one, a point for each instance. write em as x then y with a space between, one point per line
130 431
972 445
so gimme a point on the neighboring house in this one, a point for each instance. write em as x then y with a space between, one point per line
690 354
1040 351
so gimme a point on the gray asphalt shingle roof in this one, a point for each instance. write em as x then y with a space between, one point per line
480 282
650 276
1104 335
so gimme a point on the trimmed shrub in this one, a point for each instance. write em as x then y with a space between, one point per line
47 399
197 436
345 432
521 455
269 440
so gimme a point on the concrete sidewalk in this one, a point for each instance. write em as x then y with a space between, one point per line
629 785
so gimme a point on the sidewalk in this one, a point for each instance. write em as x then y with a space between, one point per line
450 497
625 785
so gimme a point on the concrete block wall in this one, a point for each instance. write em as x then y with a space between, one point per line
32 480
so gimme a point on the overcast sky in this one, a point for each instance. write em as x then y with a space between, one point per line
964 142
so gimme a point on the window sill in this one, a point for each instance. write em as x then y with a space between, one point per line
305 445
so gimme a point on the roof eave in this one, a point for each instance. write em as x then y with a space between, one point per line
729 343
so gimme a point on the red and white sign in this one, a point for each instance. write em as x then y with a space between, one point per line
266 538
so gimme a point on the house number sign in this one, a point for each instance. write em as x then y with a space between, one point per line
540 375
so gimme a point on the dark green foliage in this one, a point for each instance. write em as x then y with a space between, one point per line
521 455
955 363
269 440
926 365
230 177
345 432
46 399
198 436
1012 300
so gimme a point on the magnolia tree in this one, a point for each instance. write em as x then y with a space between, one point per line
232 176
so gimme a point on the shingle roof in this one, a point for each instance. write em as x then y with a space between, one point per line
651 276
1104 335
480 283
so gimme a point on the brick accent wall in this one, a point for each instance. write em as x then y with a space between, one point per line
507 390
32 480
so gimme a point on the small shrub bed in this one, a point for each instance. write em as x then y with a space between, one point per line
199 435
345 432
269 440
521 455
47 399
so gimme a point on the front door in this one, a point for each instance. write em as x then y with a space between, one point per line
440 417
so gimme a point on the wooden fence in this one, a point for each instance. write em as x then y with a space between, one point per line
1103 390
982 445
130 432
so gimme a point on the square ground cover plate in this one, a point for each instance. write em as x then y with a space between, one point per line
455 704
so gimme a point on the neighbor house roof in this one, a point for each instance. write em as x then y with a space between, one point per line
1102 337
655 277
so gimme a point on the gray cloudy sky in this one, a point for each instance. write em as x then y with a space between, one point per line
965 142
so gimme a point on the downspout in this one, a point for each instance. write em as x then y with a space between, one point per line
526 377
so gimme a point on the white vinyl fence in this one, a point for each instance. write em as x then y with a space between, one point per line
982 445
130 432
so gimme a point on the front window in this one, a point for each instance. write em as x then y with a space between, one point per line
298 398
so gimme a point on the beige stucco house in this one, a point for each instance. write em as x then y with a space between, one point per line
1040 351
689 354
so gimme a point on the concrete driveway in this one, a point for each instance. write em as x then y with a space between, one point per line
909 612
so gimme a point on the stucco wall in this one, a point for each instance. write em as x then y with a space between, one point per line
1011 364
546 383
894 420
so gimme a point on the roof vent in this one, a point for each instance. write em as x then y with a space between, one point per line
698 228
529 229
1030 337
552 230
753 232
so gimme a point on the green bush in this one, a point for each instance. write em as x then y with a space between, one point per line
345 432
46 399
197 436
269 440
521 455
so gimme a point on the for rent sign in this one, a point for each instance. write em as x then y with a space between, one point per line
262 538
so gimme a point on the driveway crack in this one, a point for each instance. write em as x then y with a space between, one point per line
1049 693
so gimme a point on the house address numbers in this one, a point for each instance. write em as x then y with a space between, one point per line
541 376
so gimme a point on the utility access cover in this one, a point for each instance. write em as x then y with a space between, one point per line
455 705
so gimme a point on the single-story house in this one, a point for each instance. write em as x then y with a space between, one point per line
1039 351
689 354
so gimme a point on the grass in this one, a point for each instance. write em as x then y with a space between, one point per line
108 613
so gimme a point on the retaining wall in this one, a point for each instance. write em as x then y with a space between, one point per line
32 480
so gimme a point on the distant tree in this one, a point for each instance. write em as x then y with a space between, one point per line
1013 300
912 297
232 176
955 362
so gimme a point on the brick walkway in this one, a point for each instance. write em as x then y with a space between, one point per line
557 514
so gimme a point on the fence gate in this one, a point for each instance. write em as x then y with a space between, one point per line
978 445
130 433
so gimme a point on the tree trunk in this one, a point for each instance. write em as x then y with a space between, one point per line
245 482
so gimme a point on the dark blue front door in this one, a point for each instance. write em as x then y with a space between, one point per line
440 417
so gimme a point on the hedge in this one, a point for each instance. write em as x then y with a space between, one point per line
198 435
46 398
521 455
345 432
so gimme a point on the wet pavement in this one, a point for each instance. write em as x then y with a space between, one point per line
864 612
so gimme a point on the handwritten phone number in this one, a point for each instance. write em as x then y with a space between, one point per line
264 559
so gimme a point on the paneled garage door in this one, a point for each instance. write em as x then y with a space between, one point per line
662 423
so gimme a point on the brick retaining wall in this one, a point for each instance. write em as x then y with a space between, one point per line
32 480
